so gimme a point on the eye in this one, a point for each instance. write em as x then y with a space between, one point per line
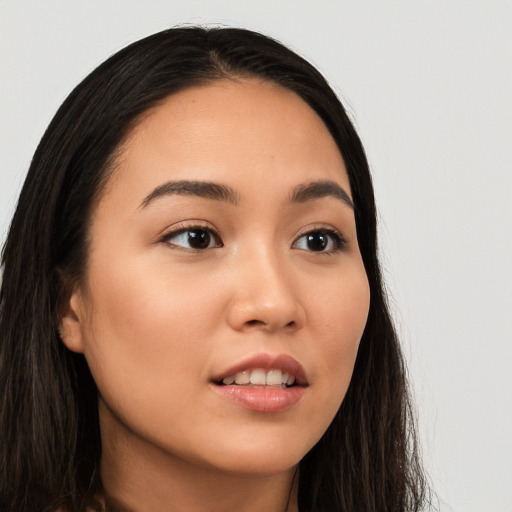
321 240
194 238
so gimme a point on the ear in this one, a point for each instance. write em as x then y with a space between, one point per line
71 322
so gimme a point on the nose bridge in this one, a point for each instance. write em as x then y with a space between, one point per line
265 293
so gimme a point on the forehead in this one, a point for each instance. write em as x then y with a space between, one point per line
229 131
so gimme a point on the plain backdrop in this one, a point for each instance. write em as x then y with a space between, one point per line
429 87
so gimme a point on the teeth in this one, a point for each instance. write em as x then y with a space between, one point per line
243 377
229 380
274 378
260 377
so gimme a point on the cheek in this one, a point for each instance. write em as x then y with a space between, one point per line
339 318
146 329
149 305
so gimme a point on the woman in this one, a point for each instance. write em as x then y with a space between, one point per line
192 313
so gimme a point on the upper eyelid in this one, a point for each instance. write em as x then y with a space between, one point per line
180 227
319 227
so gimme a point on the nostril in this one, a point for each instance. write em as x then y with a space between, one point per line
260 323
255 322
253 314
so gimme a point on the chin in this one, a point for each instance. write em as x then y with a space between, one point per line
259 466
265 456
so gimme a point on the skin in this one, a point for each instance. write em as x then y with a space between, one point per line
157 320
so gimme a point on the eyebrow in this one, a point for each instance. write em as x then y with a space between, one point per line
205 189
319 189
300 194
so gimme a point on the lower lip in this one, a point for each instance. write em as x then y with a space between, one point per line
262 398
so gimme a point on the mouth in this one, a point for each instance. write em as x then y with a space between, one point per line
263 383
260 377
264 370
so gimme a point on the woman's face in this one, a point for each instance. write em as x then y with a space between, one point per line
223 248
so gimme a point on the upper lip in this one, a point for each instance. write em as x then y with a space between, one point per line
283 362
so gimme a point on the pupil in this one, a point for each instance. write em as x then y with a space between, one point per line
199 239
317 241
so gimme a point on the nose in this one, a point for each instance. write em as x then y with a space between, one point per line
266 295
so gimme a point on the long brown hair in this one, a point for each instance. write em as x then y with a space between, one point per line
50 441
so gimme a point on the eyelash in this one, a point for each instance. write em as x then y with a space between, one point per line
338 240
190 229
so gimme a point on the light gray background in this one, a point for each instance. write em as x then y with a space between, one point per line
429 87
